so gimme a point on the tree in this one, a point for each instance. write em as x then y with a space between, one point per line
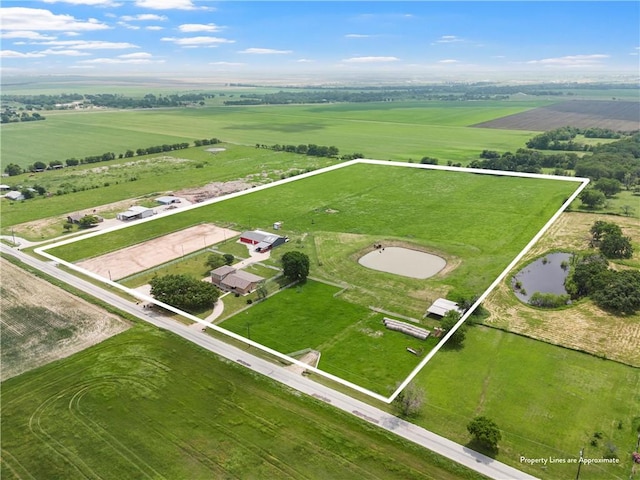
621 293
447 323
39 166
228 258
12 169
184 292
616 246
592 198
88 221
295 266
485 432
601 228
215 260
429 161
27 193
262 291
608 186
409 401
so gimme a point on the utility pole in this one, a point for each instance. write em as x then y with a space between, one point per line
580 463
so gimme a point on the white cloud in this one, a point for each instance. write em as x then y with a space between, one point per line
370 59
94 3
357 35
26 34
196 41
305 60
136 55
68 53
88 44
571 61
144 17
166 4
228 64
265 51
449 39
128 26
36 19
154 27
14 54
140 58
448 60
198 27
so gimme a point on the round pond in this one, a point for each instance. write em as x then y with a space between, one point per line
403 261
545 275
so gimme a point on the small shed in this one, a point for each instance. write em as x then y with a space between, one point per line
441 306
4 187
14 195
167 200
135 213
264 241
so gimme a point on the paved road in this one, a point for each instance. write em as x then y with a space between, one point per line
458 453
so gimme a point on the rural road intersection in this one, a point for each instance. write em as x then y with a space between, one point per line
458 453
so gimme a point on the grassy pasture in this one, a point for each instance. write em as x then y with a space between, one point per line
393 130
353 343
548 401
461 215
148 404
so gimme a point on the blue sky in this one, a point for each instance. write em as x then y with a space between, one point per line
240 39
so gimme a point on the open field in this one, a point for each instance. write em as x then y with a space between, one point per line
616 115
143 256
42 323
148 404
352 341
393 130
583 326
548 402
379 202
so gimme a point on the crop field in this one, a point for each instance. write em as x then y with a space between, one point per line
548 401
395 130
149 404
615 115
42 323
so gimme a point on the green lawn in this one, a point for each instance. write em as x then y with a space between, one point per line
146 404
394 130
460 215
353 342
548 401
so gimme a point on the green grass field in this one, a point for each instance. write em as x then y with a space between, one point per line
396 130
335 215
146 404
548 401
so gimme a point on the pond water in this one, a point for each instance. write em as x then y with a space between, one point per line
545 275
403 261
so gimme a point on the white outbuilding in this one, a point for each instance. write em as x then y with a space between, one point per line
135 213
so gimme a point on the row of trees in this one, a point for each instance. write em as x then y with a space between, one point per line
562 138
11 116
304 149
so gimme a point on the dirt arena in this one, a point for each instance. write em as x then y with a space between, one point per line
140 257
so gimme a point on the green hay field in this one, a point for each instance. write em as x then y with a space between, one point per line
336 215
146 404
548 402
395 130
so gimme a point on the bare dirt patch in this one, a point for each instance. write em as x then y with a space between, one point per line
212 190
141 257
42 323
583 326
623 116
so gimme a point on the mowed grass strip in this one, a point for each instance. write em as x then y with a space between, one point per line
483 220
148 404
394 130
548 402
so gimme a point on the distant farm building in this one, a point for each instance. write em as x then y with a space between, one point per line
442 306
167 200
233 280
135 213
76 217
4 187
263 241
14 195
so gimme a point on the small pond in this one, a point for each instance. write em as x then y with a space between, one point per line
546 275
403 261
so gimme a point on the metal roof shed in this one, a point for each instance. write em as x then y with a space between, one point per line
442 306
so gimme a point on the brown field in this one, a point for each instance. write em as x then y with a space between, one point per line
143 256
42 323
618 116
582 326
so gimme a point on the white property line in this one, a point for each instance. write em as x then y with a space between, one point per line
583 181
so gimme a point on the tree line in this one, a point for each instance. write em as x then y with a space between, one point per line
11 116
562 138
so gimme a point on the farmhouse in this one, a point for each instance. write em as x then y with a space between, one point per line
167 200
135 213
263 241
441 306
233 280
